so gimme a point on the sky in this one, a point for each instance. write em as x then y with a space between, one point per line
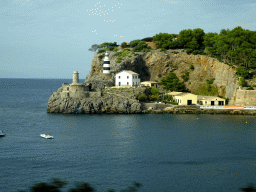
49 39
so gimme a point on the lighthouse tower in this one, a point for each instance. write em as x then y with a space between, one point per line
75 77
106 65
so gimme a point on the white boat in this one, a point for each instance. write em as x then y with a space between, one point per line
1 134
46 136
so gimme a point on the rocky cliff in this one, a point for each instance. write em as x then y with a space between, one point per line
149 65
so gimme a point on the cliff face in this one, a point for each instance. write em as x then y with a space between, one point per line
150 64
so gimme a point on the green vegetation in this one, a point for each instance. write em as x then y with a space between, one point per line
192 67
123 53
56 184
243 83
101 56
207 90
159 75
210 81
236 46
107 47
123 45
154 91
243 72
142 97
185 76
119 60
172 83
94 48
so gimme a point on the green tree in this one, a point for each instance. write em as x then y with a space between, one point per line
193 45
141 45
94 48
172 83
242 72
162 40
242 82
199 34
209 41
123 45
185 36
134 43
154 91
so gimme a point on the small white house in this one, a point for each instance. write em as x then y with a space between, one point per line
127 79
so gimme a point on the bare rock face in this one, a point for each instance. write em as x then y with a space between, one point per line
149 65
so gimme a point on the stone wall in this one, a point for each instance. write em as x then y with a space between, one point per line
95 94
244 98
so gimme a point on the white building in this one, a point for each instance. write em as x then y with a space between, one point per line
127 79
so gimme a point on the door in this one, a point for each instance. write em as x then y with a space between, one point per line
189 102
212 102
221 103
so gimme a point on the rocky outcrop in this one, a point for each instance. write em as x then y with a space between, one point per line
108 103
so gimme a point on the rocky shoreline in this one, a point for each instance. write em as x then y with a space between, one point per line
112 104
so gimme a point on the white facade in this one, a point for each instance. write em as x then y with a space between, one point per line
127 78
106 64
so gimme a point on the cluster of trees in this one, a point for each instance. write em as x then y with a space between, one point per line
56 184
172 83
236 46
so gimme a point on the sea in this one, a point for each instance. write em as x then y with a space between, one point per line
162 152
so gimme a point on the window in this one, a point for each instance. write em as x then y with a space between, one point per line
133 77
119 77
136 83
127 77
127 83
119 83
132 83
67 88
67 94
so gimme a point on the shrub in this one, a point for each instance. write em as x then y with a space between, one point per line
243 83
119 60
148 39
134 43
175 66
188 51
163 50
192 67
154 91
159 75
185 77
115 49
173 103
249 88
101 56
101 50
168 97
123 45
210 81
152 97
142 97
242 72
175 52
